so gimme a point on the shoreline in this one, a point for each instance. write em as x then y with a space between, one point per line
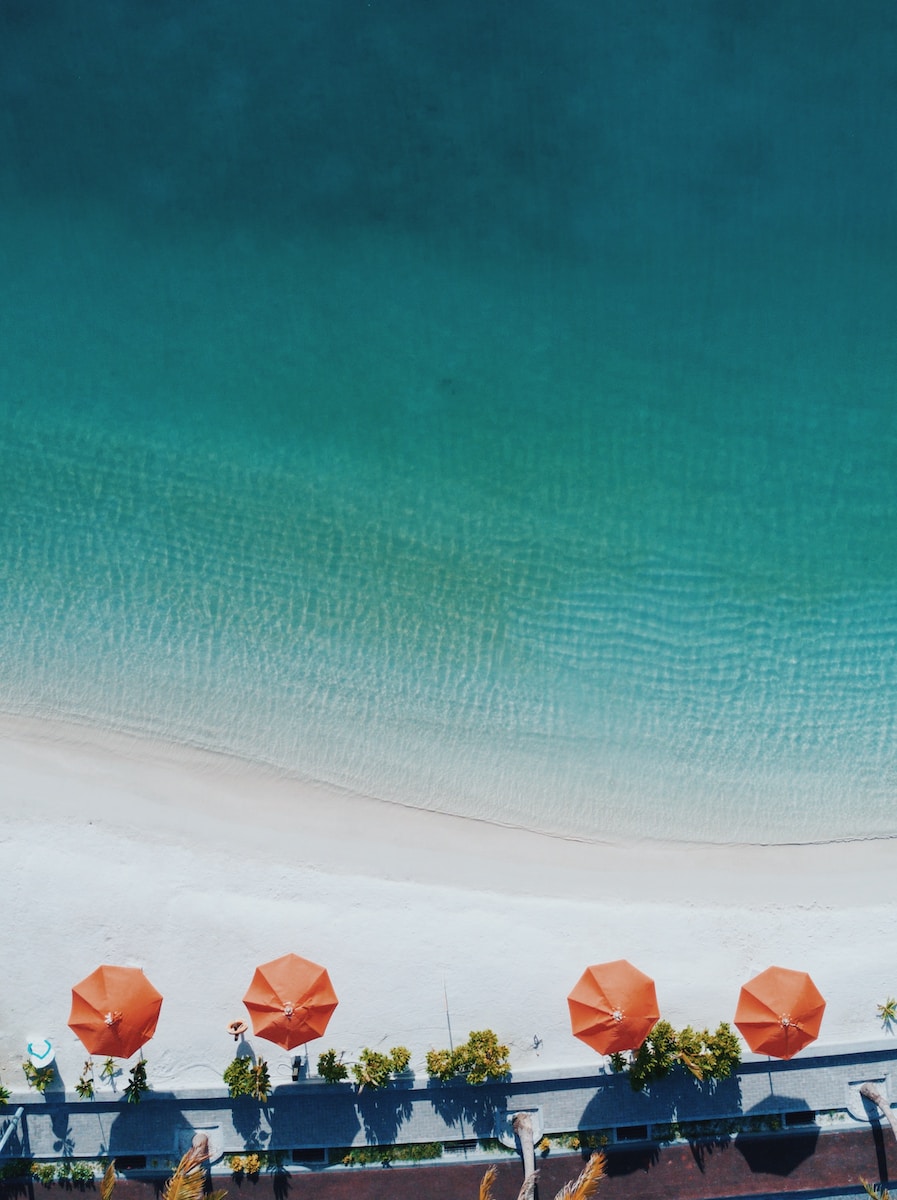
197 867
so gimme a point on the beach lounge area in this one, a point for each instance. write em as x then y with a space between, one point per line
195 867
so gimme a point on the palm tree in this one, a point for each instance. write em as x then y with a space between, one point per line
875 1193
188 1181
583 1187
523 1128
875 1094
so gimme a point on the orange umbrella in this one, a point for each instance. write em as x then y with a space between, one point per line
290 1001
613 1007
115 1011
779 1012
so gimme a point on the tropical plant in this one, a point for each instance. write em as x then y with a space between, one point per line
85 1085
247 1078
107 1183
189 1179
374 1069
38 1078
43 1172
15 1168
366 1155
583 1187
480 1058
109 1070
586 1183
887 1013
876 1191
4 1095
331 1067
708 1056
137 1084
244 1164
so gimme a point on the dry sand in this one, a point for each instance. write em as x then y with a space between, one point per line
196 867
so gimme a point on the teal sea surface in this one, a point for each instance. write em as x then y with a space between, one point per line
488 408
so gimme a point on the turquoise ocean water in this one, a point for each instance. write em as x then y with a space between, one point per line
491 408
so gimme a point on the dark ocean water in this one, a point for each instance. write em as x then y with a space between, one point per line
492 408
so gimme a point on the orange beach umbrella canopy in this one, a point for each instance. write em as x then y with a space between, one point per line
115 1011
613 1007
290 1001
779 1012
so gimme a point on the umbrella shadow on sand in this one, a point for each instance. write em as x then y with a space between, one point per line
675 1100
779 1153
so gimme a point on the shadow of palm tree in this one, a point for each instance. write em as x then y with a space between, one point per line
383 1113
469 1108
247 1119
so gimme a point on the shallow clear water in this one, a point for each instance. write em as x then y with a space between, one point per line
494 413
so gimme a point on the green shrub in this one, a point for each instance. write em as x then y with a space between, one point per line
331 1067
247 1078
137 1082
38 1078
401 1058
4 1095
43 1172
245 1164
374 1069
480 1058
85 1085
367 1155
582 1139
254 1161
15 1168
441 1064
495 1146
82 1172
708 1056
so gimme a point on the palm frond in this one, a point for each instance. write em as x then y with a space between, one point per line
486 1184
875 1191
692 1065
107 1183
528 1188
189 1178
586 1184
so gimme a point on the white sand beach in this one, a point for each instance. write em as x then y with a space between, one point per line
197 867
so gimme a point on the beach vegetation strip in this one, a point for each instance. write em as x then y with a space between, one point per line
707 1056
481 1058
248 1077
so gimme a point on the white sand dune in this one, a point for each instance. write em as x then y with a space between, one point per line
197 867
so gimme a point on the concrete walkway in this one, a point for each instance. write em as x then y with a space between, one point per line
305 1118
